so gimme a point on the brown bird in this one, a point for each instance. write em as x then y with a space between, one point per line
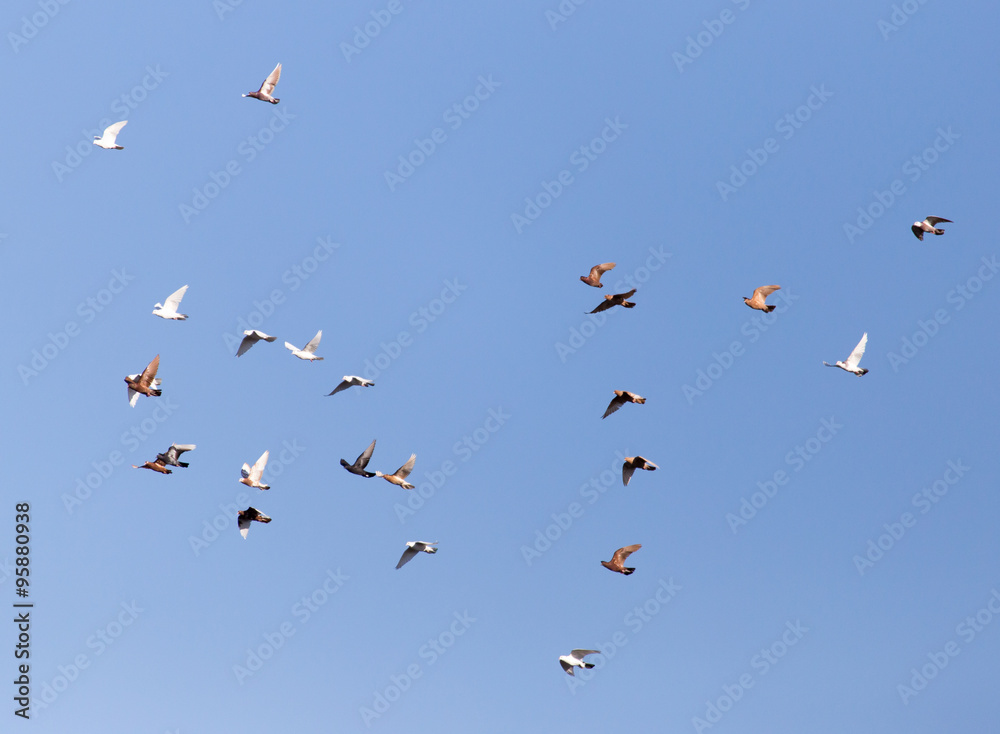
264 93
622 397
928 226
155 466
759 296
596 272
635 462
617 562
245 517
144 383
616 300
399 476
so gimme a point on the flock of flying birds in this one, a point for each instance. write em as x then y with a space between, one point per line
147 383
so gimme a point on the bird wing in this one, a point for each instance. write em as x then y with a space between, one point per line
313 343
245 471
146 378
627 471
133 396
111 131
180 448
764 291
272 79
244 522
859 352
579 654
603 306
291 347
616 402
173 301
366 456
404 471
937 220
566 666
258 467
407 555
344 384
918 232
626 296
622 553
828 364
248 341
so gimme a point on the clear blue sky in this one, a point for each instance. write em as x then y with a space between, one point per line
428 196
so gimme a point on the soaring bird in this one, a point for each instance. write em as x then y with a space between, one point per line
851 365
615 300
308 351
107 140
172 455
251 474
251 337
575 660
617 562
168 310
928 226
759 296
414 547
350 381
635 462
399 476
596 272
359 465
621 397
156 466
144 383
247 516
264 93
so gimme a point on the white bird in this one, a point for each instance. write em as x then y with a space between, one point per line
107 140
575 660
928 225
251 337
414 547
264 93
251 474
308 351
851 365
168 310
399 476
351 381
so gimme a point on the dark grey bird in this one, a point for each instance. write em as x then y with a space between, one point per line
359 465
264 93
928 226
247 516
170 456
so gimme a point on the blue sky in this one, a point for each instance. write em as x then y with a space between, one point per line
818 549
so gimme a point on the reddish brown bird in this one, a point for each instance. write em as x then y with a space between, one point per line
155 466
621 397
617 562
635 462
618 299
144 383
596 272
759 296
